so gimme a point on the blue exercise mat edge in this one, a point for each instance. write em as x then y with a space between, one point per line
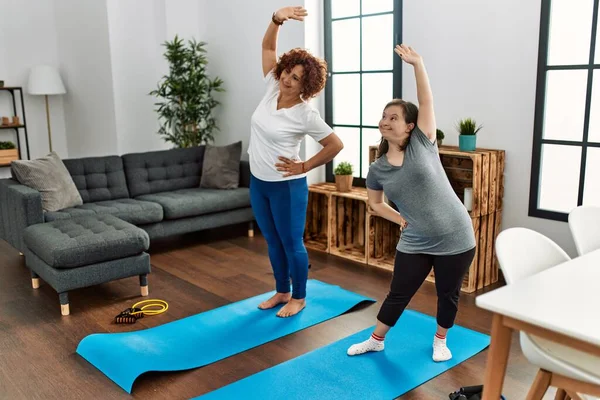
314 368
113 355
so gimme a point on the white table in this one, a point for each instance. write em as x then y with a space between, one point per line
560 304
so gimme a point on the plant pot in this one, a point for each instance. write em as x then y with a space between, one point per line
343 183
6 156
467 142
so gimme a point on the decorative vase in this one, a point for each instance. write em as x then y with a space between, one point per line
467 142
343 183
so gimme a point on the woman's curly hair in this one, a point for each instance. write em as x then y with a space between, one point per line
315 71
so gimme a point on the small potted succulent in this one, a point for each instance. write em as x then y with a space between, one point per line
467 129
8 153
439 136
343 176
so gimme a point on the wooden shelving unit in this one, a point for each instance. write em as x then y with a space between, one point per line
342 223
383 238
13 90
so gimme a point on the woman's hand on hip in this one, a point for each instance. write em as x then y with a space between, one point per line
403 224
290 167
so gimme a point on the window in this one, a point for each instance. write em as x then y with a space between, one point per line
566 146
364 74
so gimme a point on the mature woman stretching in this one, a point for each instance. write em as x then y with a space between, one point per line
437 229
278 187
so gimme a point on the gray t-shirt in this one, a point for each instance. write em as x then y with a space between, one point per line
438 222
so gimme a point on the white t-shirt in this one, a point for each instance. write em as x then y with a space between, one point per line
275 133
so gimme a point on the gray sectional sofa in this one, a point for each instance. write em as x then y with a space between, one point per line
128 201
157 191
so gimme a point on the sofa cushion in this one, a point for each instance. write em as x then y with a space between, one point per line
74 242
98 178
192 202
134 211
162 171
49 176
221 166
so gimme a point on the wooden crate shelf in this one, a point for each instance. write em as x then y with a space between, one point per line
316 231
482 170
348 225
383 238
356 232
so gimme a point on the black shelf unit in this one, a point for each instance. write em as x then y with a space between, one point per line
23 125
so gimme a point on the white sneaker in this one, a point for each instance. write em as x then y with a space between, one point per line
441 352
364 347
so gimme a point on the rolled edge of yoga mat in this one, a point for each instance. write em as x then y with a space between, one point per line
197 340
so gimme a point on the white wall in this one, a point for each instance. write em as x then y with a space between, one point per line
234 54
84 54
27 38
314 42
482 63
136 32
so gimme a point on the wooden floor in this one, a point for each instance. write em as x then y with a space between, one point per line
196 273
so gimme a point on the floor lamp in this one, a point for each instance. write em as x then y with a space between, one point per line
45 80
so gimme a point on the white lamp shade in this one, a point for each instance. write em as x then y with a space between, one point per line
45 79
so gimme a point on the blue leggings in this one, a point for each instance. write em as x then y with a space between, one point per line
280 211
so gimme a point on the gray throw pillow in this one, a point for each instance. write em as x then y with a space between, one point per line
221 166
49 176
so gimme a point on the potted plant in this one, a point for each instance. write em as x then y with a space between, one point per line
343 176
8 153
439 136
467 138
186 95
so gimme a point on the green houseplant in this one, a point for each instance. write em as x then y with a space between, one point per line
343 176
185 95
439 136
467 138
8 153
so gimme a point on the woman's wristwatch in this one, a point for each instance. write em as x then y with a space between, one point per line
275 21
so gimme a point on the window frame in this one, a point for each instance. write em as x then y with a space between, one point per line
396 73
540 99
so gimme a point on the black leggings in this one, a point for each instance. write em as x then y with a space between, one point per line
410 270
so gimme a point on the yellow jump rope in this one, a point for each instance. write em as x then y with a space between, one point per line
153 307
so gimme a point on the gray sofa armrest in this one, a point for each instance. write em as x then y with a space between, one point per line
244 173
20 207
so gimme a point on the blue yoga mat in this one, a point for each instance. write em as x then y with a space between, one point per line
329 373
199 340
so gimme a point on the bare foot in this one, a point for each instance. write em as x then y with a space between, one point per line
278 298
292 308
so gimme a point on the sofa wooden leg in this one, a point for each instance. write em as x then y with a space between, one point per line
35 280
250 229
64 303
144 284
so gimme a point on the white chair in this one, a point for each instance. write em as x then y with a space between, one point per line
584 223
521 253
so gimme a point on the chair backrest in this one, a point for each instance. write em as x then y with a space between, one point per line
523 252
584 223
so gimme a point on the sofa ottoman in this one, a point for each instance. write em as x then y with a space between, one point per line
84 251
